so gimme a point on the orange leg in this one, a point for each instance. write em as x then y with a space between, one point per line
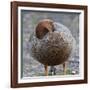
64 69
46 70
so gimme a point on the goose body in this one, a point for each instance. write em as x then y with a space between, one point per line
52 44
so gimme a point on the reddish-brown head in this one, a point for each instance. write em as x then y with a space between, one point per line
44 27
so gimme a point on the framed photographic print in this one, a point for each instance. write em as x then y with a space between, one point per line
48 44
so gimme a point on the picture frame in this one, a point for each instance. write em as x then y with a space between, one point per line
23 14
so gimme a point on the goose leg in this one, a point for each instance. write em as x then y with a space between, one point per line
64 69
46 70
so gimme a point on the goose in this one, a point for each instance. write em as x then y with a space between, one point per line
52 44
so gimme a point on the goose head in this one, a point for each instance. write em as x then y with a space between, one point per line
44 27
